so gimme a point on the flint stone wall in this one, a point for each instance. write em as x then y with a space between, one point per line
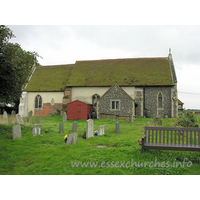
115 93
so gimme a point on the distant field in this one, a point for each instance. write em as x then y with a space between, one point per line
112 153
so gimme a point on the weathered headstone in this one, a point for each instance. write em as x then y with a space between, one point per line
30 114
13 113
117 127
16 132
89 128
61 128
130 116
36 130
101 130
5 117
75 126
19 119
72 138
64 117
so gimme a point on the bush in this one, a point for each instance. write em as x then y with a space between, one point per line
188 120
157 121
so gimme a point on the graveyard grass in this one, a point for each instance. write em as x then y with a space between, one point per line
48 155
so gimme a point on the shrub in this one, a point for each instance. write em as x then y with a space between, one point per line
188 120
157 121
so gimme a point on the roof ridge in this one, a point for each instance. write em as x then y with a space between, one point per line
121 59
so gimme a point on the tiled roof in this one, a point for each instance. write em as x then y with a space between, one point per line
123 72
49 78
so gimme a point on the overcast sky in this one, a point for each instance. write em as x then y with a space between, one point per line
68 44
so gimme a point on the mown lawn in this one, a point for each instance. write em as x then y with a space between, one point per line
112 153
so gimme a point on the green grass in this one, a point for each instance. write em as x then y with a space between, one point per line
48 154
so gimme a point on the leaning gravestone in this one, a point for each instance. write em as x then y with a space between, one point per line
75 126
16 132
72 138
64 117
89 128
101 130
61 128
19 119
117 127
36 130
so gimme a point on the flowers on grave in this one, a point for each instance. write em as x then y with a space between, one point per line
46 131
65 136
96 132
139 141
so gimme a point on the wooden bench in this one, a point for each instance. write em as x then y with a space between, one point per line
171 138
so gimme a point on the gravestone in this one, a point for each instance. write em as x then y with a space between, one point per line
89 128
75 126
36 130
5 117
197 119
72 138
130 116
19 119
13 113
16 132
61 128
30 114
64 117
117 127
101 130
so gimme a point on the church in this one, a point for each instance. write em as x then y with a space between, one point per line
144 87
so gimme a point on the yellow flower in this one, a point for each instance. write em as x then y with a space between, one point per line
65 136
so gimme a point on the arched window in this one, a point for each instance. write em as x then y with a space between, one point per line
160 100
38 101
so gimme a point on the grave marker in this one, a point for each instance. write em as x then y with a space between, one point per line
30 114
16 132
36 130
117 127
101 130
5 117
61 128
75 126
13 113
64 117
72 138
89 128
19 119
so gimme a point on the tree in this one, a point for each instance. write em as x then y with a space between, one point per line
16 66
